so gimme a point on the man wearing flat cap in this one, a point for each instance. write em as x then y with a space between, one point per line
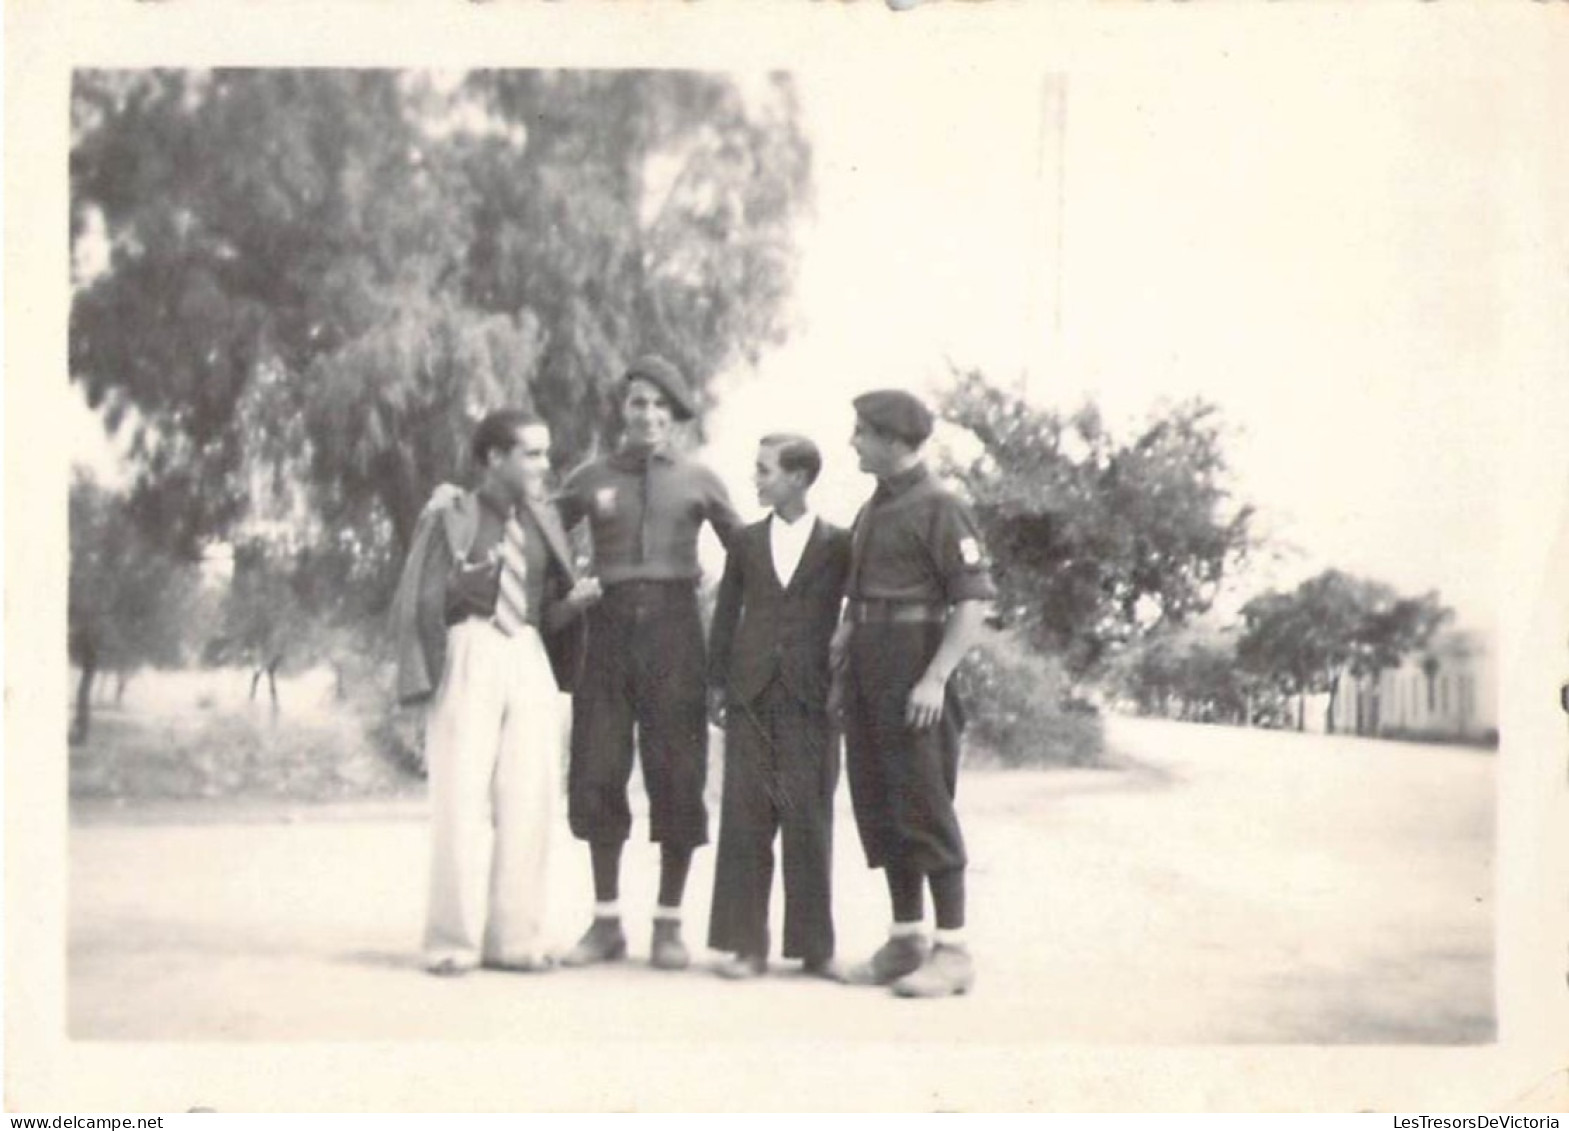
645 668
918 589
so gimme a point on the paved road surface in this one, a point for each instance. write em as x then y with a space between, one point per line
1222 887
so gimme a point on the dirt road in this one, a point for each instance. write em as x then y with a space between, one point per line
1223 886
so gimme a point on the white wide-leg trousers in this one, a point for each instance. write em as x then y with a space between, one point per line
493 745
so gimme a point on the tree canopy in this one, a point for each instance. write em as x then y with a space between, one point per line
1188 673
316 281
1098 541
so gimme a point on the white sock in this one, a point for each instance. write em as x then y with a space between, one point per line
906 930
954 937
611 910
663 914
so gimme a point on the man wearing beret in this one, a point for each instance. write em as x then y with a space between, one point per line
645 669
918 590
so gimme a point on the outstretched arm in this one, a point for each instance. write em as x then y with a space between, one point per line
721 512
721 633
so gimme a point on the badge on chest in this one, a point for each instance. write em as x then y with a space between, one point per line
605 502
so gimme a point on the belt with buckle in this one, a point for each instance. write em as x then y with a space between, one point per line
897 612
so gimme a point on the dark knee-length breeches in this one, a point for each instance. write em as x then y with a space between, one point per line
902 780
644 672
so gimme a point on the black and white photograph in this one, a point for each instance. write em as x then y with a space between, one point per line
854 557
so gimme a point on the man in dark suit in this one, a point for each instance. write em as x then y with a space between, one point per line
769 679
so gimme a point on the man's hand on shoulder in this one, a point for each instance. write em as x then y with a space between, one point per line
443 497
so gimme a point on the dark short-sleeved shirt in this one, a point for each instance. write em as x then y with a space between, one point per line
916 541
645 514
490 528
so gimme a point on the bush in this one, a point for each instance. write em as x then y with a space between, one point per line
207 748
1021 710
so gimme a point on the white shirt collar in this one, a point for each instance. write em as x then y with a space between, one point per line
787 543
804 522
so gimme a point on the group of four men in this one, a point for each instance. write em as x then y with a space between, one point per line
815 630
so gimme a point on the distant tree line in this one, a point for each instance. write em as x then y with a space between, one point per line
1332 629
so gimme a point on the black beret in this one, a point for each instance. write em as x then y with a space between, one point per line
895 412
659 372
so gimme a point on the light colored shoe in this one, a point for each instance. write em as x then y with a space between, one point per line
448 967
667 951
948 970
604 941
893 960
739 967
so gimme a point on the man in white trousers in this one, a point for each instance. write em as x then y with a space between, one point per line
488 584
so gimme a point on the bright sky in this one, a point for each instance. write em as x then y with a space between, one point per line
1318 258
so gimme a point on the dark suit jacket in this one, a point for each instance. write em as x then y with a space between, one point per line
762 630
419 610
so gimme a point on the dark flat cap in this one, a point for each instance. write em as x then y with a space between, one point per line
657 371
895 412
